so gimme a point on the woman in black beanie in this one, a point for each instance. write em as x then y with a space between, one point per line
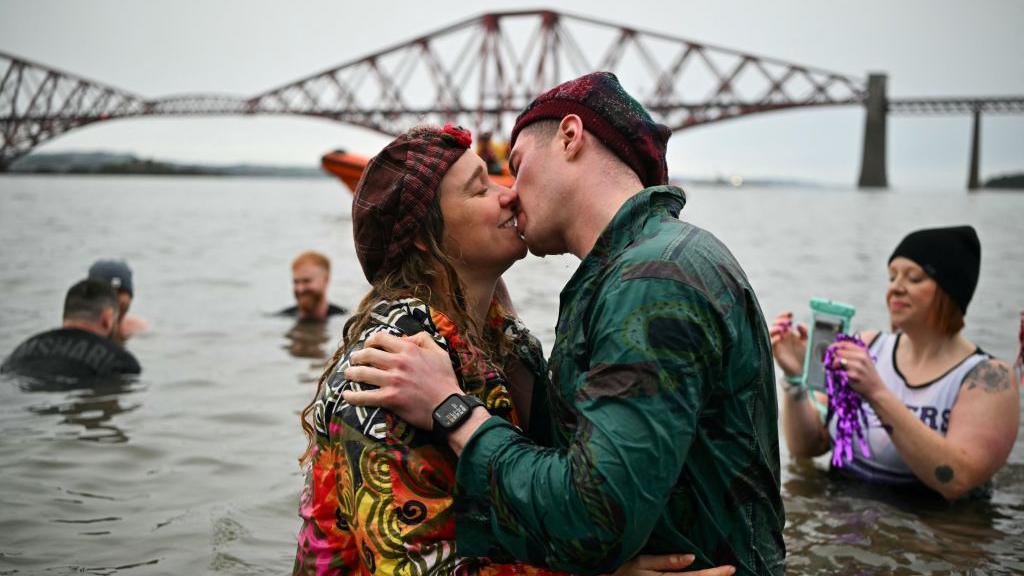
940 411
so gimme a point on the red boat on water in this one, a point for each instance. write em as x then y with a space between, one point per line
349 167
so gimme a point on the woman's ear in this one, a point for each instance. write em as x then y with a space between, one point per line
419 245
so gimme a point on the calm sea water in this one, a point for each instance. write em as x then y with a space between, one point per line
192 468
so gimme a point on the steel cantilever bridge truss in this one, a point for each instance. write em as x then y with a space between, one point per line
479 73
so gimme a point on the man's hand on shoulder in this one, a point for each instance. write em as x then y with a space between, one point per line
413 375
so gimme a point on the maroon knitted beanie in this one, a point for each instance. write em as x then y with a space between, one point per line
613 116
395 192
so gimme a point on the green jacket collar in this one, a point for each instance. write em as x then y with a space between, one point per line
629 221
624 228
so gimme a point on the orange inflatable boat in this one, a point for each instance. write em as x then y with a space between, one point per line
349 167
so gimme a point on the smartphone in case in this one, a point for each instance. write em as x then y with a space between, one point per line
828 319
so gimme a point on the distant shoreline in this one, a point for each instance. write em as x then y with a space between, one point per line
100 163
255 174
1005 182
115 164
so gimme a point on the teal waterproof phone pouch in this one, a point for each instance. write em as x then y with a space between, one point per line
828 319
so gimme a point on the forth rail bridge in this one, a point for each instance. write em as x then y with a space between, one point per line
482 71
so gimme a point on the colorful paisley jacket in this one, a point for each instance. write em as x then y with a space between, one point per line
378 497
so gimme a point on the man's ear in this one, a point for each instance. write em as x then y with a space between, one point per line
570 135
107 319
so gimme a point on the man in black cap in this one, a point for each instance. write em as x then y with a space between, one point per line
82 347
119 276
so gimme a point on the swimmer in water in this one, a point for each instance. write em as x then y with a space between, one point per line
119 276
311 274
83 347
940 412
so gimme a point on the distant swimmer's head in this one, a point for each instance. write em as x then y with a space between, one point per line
118 275
932 277
91 305
311 274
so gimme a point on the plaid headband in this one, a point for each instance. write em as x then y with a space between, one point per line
395 192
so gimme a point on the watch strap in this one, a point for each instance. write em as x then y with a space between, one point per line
471 401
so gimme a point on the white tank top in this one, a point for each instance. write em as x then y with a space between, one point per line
931 402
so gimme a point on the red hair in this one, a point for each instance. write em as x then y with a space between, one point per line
945 314
312 257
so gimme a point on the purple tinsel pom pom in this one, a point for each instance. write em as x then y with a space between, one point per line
846 405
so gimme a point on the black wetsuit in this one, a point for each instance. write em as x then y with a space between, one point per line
71 353
332 310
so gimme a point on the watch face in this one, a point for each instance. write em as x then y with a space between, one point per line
451 412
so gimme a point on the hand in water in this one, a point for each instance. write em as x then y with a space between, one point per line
647 565
788 345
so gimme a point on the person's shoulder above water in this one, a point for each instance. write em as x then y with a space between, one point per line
70 352
289 311
82 347
293 311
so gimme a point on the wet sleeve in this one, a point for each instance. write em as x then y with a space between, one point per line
653 346
327 546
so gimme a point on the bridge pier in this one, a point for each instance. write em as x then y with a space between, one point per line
972 176
872 162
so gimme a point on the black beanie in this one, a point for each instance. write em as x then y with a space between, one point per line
951 256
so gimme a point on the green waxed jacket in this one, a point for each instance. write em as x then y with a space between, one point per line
658 431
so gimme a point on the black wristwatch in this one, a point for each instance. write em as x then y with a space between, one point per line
453 412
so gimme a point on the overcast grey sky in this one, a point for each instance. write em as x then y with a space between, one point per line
927 47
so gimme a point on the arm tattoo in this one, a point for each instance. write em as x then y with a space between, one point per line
992 376
944 474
